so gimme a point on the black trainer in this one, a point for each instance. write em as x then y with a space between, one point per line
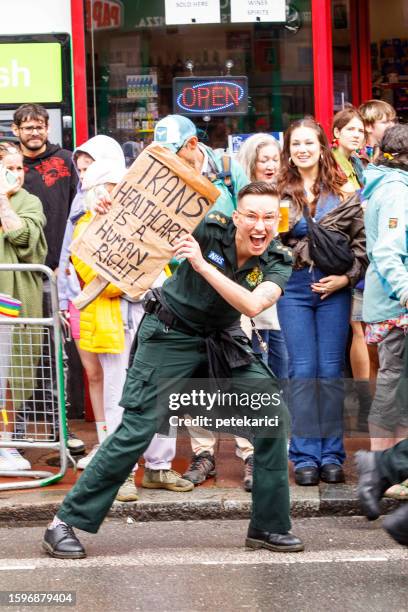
61 542
278 542
201 467
248 473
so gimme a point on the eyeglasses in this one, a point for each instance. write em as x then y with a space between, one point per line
251 219
30 129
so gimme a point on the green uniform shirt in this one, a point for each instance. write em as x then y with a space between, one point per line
191 298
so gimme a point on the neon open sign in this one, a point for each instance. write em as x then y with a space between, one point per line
210 95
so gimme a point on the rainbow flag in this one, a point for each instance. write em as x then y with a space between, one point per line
9 306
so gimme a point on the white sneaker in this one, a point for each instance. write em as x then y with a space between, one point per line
85 461
10 459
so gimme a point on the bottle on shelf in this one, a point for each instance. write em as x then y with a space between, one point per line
197 65
215 67
136 123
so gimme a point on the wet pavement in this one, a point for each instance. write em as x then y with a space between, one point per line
349 564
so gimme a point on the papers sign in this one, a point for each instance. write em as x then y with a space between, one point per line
181 12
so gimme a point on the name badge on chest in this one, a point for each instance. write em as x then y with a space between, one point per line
216 259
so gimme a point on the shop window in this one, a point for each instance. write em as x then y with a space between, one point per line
389 54
341 53
132 66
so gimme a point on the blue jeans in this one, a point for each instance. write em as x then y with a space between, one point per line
277 357
315 333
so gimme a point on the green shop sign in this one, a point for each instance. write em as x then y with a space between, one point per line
30 72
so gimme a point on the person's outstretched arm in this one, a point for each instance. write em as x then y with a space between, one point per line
249 303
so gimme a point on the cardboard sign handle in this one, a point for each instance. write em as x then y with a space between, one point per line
90 292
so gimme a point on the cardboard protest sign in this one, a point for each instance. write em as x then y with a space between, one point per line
160 199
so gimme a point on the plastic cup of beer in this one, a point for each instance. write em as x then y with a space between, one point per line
283 217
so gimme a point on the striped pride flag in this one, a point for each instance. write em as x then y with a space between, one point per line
9 306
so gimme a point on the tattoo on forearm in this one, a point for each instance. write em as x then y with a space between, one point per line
268 291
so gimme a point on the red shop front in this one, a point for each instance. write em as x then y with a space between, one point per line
327 54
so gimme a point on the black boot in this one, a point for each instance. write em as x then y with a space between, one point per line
371 486
396 524
278 542
61 542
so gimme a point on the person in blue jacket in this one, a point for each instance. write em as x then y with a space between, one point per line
385 306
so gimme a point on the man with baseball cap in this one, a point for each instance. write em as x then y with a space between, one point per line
179 134
173 132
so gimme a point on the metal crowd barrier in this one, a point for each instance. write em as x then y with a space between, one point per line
27 346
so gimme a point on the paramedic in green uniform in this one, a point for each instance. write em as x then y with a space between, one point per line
230 266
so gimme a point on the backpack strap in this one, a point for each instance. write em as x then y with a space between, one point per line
226 171
225 175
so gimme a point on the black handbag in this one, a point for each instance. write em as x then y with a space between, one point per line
329 250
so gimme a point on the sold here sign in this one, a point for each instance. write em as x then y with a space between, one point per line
226 95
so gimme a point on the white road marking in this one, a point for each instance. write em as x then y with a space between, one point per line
17 568
193 557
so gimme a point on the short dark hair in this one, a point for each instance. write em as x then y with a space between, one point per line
30 111
394 147
259 188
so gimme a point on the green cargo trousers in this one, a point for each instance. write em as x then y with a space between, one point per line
165 357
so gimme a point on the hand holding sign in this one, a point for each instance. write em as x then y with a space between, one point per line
187 247
159 200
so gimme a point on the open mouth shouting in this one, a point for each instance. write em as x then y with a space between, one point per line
259 241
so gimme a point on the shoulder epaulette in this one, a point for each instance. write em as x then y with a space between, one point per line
217 218
280 249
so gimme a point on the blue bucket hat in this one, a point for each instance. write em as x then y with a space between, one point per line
173 131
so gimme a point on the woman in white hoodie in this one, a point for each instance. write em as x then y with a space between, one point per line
106 157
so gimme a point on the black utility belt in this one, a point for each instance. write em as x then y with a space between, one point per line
153 304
